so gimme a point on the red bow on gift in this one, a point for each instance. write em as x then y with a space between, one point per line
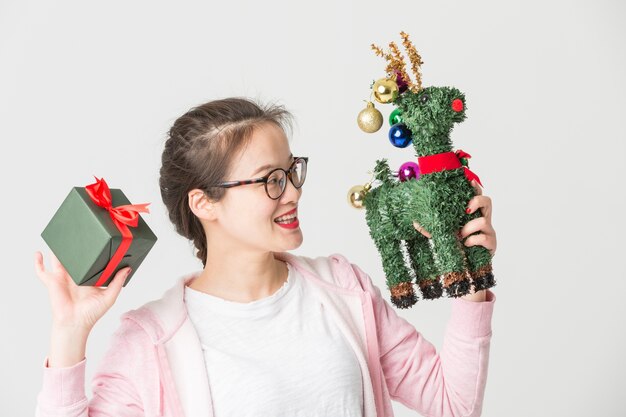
101 195
123 216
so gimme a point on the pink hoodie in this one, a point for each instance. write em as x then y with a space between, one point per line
155 365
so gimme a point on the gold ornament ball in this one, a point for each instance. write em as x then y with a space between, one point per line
356 196
370 119
385 90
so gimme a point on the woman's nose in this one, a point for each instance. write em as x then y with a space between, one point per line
291 192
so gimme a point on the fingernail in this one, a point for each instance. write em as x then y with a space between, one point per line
467 210
129 271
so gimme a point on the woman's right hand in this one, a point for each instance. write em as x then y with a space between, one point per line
75 306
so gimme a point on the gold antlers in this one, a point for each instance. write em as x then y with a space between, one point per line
395 62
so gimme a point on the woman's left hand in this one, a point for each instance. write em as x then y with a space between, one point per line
487 237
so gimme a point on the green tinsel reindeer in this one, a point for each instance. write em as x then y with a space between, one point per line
433 192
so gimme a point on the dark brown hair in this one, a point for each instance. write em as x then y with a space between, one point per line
198 152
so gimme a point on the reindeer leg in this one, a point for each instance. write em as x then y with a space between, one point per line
479 261
450 261
399 279
423 264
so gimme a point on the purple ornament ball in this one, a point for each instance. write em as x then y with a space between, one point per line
409 170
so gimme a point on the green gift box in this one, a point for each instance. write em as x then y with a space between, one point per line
96 232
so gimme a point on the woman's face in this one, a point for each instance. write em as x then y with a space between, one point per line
246 215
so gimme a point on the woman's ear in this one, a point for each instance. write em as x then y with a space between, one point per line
200 205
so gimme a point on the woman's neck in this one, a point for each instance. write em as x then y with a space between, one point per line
241 280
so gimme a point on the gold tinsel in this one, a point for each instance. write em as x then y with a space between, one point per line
391 62
400 64
416 59
387 57
395 61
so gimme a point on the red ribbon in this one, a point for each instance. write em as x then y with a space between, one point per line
123 216
446 161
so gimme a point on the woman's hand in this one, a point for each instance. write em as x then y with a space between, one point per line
482 224
487 237
74 306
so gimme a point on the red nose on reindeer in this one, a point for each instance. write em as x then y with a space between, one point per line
457 105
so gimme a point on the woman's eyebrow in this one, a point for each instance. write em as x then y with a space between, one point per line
266 166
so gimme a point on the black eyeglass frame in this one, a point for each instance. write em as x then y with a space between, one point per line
264 179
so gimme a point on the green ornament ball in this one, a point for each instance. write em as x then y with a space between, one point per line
395 117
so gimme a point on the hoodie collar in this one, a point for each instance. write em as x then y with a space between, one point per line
161 318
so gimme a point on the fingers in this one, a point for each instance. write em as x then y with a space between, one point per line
477 188
56 264
486 236
486 240
420 229
482 224
473 226
46 276
39 268
481 202
115 286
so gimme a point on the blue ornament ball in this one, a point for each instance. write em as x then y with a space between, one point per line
399 135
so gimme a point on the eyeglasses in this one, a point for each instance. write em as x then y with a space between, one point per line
276 180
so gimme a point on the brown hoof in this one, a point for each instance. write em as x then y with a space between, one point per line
456 284
483 278
430 288
402 295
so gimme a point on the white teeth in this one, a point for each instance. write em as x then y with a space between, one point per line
286 218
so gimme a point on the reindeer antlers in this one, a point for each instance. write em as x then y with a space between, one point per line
416 59
395 61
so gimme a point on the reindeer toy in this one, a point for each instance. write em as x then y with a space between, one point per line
433 192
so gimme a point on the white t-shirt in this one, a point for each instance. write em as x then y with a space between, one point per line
277 356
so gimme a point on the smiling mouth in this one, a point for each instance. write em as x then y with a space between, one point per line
287 217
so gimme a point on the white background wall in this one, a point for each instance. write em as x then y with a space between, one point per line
90 88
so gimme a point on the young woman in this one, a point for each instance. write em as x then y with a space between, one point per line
259 331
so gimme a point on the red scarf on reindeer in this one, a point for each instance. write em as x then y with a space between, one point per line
446 161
